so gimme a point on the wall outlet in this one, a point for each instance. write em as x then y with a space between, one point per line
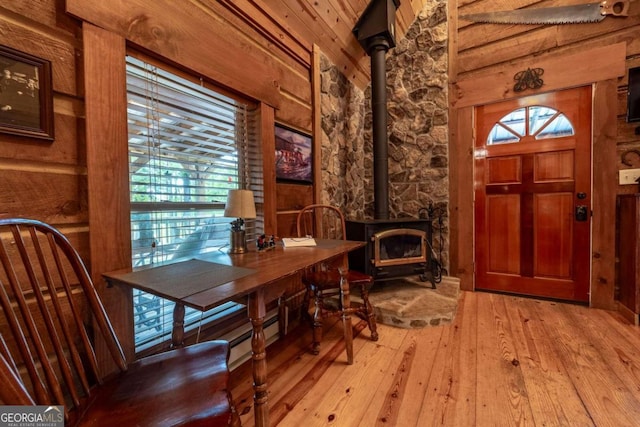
628 176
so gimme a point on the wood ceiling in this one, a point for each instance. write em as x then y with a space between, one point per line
300 24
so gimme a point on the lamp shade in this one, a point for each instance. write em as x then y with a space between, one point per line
240 204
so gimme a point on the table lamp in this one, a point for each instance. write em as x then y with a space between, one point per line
240 205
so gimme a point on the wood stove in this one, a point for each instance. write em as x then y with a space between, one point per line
395 248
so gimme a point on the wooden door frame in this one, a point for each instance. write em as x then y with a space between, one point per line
606 64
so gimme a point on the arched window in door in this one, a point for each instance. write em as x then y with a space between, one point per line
537 121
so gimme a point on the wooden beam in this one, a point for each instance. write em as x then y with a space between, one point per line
177 31
452 45
461 188
317 124
108 174
598 64
604 172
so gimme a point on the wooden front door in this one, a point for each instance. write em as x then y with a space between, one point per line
533 195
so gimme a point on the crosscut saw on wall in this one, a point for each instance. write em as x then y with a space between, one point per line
576 14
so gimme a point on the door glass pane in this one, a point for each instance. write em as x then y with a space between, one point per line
559 127
538 117
509 129
543 122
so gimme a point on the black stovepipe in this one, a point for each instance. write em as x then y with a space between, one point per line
378 47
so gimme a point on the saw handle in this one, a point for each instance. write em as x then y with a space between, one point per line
614 8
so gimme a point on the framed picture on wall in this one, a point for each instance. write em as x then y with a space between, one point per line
294 161
26 102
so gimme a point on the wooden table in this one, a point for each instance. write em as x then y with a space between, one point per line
196 284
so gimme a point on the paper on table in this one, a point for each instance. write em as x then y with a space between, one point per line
290 242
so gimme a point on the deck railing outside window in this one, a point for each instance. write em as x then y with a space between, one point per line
188 146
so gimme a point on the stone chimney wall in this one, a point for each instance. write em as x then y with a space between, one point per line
343 152
417 101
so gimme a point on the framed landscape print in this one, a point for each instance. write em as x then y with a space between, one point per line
293 155
26 104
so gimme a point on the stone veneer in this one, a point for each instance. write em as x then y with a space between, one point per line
417 103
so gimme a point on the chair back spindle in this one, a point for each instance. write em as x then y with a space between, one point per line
52 314
322 222
330 281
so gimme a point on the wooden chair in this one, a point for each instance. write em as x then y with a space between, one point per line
51 318
329 283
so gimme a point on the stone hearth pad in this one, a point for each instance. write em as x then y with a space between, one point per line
410 303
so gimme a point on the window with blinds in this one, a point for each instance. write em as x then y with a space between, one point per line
188 146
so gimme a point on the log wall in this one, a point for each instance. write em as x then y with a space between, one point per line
75 182
43 179
237 47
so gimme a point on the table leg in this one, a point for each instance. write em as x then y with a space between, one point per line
177 334
345 296
257 312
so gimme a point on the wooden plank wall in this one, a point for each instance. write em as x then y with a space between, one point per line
329 24
211 40
485 54
245 50
47 180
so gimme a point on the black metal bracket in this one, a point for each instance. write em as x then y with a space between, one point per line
528 79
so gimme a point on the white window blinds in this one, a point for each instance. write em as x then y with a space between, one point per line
188 146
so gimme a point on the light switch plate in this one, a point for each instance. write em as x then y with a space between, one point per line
628 176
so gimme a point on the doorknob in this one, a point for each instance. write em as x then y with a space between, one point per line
581 213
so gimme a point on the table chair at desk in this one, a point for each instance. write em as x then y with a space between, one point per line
328 282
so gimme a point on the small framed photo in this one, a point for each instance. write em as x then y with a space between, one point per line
26 100
294 160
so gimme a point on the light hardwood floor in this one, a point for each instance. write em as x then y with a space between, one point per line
504 361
